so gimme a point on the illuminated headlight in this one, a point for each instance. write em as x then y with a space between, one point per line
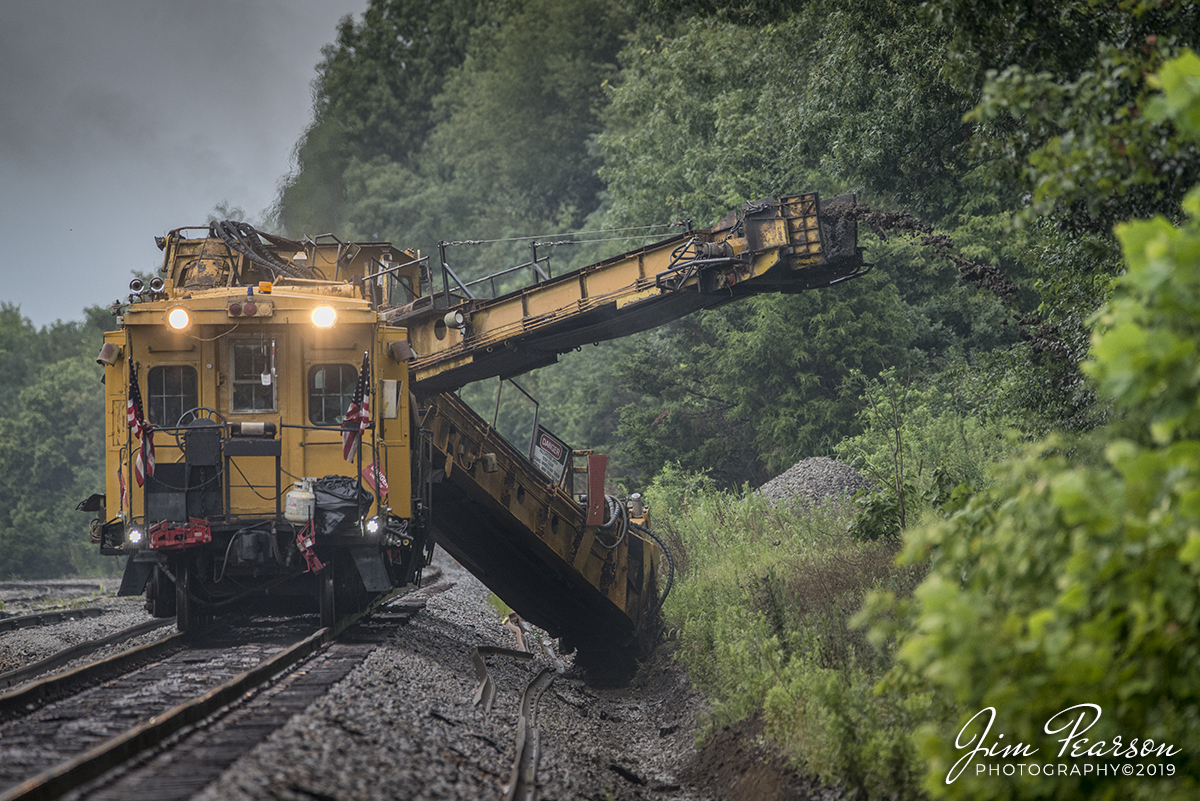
179 318
135 536
373 525
324 316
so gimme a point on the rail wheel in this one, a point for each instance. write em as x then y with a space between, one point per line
160 594
189 616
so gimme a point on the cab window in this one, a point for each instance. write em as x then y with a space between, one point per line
170 391
253 385
330 390
400 289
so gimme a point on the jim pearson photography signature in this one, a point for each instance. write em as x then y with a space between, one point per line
1072 722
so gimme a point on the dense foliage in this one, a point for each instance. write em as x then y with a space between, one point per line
761 616
1077 581
51 443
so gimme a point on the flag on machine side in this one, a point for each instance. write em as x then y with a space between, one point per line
143 462
358 416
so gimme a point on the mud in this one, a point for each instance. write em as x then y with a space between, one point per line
738 764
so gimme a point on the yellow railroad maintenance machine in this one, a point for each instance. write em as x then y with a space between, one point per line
281 417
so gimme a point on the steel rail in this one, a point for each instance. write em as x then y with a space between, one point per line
522 785
21 674
102 758
48 618
485 690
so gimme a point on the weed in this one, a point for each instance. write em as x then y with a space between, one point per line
762 610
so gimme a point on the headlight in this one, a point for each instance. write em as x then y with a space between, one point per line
373 525
134 536
324 316
179 318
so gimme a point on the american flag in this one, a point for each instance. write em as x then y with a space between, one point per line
143 463
358 416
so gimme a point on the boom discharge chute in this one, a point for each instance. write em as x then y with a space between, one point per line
786 244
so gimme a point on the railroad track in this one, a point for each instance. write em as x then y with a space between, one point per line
14 622
12 678
208 701
522 784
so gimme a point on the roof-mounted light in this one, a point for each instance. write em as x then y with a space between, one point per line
179 318
324 316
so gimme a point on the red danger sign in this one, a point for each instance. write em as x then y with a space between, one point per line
549 454
550 446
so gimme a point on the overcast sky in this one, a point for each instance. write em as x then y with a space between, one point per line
123 119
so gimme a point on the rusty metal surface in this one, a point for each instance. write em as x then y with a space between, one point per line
14 677
54 750
485 690
51 750
208 268
522 785
526 539
211 747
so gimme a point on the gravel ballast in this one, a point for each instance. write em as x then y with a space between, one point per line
403 724
815 480
26 646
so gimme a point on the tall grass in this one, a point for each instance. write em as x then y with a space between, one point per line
761 614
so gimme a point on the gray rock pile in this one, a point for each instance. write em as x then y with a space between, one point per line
815 480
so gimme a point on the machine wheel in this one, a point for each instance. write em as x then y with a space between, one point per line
160 594
327 595
199 413
188 614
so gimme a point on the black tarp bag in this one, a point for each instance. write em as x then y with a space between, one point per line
340 502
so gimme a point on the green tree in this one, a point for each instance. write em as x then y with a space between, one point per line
51 443
1072 583
853 97
522 108
747 390
51 457
374 97
457 121
835 98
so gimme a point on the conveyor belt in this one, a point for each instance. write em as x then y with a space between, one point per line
787 245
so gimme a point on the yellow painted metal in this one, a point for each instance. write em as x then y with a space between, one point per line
392 432
116 440
521 533
298 346
776 244
521 498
